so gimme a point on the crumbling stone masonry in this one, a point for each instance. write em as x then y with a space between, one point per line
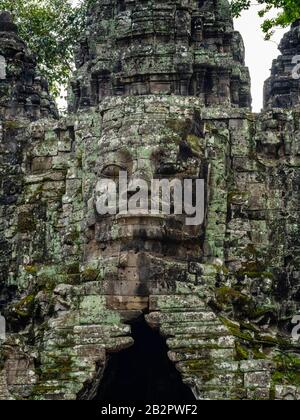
282 90
160 90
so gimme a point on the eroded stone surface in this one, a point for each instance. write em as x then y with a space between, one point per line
223 294
24 94
282 89
167 47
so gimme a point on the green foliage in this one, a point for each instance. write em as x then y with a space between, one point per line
50 28
288 12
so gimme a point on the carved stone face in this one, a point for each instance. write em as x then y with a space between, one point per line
151 250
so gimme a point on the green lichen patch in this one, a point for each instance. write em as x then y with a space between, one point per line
287 369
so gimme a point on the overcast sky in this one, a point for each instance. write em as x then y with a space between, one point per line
259 53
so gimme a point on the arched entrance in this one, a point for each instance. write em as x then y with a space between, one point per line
143 372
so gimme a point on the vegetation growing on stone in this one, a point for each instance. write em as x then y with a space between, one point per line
222 294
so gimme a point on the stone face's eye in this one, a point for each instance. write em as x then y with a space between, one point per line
112 171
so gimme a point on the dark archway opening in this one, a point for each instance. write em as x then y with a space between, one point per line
143 372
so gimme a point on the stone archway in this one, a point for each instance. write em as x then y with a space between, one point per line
143 372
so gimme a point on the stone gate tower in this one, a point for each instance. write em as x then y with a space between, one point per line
160 92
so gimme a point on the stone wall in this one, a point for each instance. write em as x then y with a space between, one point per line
222 294
24 97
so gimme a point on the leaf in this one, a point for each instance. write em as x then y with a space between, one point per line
51 29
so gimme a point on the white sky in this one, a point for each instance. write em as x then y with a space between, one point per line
259 53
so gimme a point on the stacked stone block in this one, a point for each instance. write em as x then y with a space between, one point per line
223 295
282 89
186 48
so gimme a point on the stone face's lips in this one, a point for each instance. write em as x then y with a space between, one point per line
146 227
138 232
140 216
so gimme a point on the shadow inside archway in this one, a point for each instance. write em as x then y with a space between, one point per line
143 372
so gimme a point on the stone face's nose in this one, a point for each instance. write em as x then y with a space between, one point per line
6 23
143 169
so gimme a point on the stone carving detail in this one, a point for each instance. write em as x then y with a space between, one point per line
223 294
282 89
22 92
182 48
